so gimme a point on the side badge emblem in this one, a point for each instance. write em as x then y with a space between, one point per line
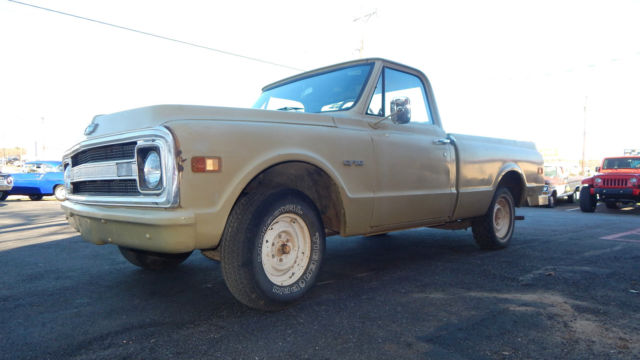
353 162
90 129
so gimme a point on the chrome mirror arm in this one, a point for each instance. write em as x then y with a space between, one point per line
375 124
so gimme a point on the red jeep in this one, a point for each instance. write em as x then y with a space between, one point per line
617 181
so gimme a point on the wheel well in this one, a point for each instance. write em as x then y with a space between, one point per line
311 181
513 181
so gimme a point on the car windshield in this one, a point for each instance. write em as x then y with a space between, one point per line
621 163
335 90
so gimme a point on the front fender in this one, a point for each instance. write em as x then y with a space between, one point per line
587 181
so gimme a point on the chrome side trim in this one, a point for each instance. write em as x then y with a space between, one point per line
109 170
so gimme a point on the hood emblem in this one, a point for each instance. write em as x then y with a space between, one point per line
90 129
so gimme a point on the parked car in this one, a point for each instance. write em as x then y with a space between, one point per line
6 184
617 182
39 179
353 149
562 184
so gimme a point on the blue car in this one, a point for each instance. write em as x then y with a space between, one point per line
41 178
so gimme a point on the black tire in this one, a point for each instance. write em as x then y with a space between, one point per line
611 205
244 251
553 200
60 193
489 230
152 260
4 195
35 197
588 202
571 198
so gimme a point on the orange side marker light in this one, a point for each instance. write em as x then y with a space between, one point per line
204 164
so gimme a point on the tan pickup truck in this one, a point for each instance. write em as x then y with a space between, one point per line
352 149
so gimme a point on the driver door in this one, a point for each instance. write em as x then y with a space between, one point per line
415 170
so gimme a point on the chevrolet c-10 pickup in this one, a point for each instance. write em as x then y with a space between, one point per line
356 148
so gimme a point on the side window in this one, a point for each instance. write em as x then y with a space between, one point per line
393 84
397 84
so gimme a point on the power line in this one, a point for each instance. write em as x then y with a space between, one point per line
158 36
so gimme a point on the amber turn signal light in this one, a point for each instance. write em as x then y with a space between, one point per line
201 164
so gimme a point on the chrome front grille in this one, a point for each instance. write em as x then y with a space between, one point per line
106 187
105 153
108 170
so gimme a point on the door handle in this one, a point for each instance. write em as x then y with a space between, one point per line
443 141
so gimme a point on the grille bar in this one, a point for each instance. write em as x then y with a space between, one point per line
125 151
614 182
106 187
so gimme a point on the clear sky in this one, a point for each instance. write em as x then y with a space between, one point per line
515 69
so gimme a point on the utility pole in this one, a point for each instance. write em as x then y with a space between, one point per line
584 136
364 19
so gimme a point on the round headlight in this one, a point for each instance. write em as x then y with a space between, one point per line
598 181
9 180
152 170
633 181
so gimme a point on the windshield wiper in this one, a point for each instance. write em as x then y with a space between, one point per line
290 108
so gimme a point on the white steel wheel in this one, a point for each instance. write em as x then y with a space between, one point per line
495 229
286 249
502 217
272 248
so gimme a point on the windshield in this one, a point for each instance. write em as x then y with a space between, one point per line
621 163
331 91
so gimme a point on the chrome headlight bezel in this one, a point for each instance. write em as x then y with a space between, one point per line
149 162
597 181
67 178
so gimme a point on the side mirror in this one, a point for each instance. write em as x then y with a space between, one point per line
401 107
597 168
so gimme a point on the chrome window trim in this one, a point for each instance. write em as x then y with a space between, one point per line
169 195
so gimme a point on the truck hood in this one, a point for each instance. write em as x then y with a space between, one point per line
152 116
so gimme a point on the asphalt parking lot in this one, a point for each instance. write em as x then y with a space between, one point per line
567 288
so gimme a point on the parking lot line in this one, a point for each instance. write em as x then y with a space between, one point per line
621 236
